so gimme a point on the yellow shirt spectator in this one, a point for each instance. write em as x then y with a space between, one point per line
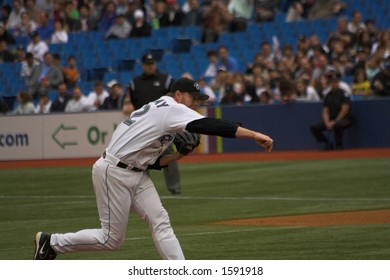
363 88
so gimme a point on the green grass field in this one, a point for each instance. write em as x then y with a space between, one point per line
62 200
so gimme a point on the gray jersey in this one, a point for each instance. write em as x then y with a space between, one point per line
143 137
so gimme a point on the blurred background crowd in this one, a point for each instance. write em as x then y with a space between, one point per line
81 55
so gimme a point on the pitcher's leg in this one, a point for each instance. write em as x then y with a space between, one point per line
148 205
83 240
113 200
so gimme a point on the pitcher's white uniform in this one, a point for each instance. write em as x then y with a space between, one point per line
136 143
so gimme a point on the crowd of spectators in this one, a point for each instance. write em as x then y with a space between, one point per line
356 50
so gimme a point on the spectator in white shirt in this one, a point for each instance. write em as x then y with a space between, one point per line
120 29
45 5
27 25
211 70
356 22
60 36
78 103
26 106
28 66
305 92
15 17
96 98
37 47
206 90
44 105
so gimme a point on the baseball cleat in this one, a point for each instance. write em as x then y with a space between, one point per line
43 250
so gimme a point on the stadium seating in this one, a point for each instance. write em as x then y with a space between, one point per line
178 49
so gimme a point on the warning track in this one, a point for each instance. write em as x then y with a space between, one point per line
226 157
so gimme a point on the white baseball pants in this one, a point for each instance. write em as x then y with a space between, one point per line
117 191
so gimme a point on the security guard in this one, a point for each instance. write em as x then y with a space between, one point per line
147 87
150 85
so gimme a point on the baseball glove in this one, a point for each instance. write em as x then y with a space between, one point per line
186 142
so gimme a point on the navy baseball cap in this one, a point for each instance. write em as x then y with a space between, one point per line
148 58
190 86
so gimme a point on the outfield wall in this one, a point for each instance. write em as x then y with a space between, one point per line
289 125
86 135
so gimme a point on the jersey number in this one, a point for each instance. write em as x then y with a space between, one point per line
137 114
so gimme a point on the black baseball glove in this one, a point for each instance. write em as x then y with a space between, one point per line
186 142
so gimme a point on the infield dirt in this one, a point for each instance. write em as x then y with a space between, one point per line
226 157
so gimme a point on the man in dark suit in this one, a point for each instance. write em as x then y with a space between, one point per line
336 115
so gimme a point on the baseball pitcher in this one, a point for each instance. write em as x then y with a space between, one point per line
121 184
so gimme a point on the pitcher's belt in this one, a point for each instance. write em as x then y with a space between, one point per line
121 164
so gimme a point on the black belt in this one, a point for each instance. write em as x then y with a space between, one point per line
124 165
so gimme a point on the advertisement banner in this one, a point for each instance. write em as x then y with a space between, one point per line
56 136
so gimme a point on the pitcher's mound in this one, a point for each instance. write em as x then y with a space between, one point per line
371 217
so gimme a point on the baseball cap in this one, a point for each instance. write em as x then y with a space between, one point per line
332 72
148 58
138 14
334 77
190 86
222 68
112 83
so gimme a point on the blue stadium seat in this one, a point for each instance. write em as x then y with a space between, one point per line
11 102
137 69
12 82
52 94
109 76
125 64
162 43
85 86
95 36
160 33
22 40
193 32
174 31
116 45
56 48
174 66
125 77
280 17
181 45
